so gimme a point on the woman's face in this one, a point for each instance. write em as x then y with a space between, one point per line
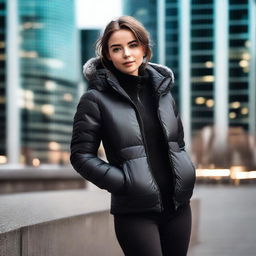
125 52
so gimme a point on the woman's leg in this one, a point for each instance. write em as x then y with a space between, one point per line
137 234
175 233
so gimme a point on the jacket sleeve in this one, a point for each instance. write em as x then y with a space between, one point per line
86 138
181 141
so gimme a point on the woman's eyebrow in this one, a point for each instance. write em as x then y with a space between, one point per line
133 41
115 45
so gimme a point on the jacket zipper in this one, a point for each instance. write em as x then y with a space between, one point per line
143 139
146 150
166 140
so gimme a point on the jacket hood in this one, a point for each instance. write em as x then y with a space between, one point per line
98 76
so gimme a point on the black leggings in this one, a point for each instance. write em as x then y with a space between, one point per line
154 234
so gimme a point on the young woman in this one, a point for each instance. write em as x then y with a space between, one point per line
129 107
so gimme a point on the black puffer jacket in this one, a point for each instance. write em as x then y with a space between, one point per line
105 112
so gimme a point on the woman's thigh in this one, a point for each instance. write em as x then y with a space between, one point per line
138 235
175 233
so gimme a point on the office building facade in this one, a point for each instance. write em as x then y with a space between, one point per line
2 81
210 45
45 72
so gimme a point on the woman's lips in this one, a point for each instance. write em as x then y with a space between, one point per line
128 63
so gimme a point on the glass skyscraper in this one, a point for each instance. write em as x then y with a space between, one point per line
88 39
239 63
202 67
49 73
2 81
210 45
146 12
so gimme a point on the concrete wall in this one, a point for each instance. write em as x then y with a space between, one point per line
10 243
63 223
90 234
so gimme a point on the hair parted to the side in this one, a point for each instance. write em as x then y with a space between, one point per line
123 22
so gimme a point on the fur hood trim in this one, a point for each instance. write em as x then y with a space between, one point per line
95 72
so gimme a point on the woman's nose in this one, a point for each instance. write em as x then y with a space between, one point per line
126 52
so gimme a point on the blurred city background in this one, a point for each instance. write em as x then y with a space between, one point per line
209 44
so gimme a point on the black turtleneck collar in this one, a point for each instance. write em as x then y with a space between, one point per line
131 82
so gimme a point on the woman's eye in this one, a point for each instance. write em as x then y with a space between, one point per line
116 49
133 45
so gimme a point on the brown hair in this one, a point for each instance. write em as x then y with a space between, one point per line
123 22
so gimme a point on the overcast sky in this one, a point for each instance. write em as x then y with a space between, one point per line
96 13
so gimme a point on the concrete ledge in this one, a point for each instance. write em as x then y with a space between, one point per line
10 244
42 173
61 223
39 179
90 234
25 209
57 223
195 208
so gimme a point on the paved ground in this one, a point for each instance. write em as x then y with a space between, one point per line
227 222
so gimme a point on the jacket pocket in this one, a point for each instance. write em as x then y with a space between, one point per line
184 171
139 179
128 180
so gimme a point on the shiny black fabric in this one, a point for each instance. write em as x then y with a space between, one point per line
106 112
140 90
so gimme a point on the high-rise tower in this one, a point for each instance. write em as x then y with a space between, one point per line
210 45
43 74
